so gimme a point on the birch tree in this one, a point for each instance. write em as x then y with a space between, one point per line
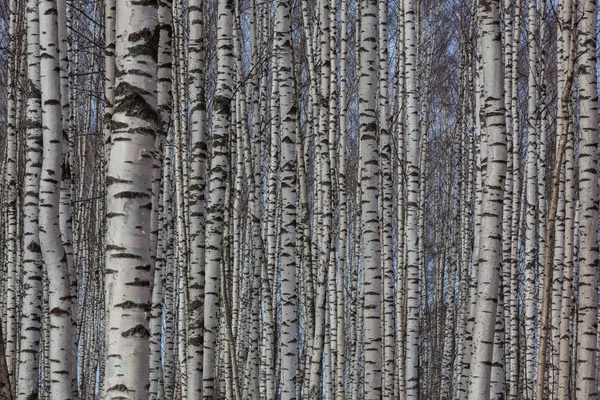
197 202
129 190
32 300
53 252
369 184
491 225
216 191
412 173
289 331
586 381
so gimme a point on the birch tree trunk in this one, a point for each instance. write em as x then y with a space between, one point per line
550 231
197 201
129 190
490 253
369 184
32 258
289 318
53 252
5 389
564 51
157 225
10 182
531 267
586 382
412 173
216 192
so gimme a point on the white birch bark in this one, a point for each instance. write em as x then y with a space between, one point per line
28 383
490 253
412 174
586 381
53 252
216 191
129 190
109 71
343 214
157 225
323 207
387 266
564 51
531 266
196 62
369 186
289 318
10 182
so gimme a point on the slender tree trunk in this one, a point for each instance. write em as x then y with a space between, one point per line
32 258
412 174
129 189
289 318
216 192
53 252
550 226
586 386
491 222
369 184
5 386
197 51
531 267
343 217
10 200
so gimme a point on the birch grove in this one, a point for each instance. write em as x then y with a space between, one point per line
299 199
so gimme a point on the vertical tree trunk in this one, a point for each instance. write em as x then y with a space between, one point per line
129 189
10 201
197 51
412 174
491 223
289 318
386 213
53 252
32 259
586 383
157 225
369 184
550 231
531 267
564 51
342 204
5 387
216 191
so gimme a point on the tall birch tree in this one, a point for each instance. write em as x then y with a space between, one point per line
490 253
129 190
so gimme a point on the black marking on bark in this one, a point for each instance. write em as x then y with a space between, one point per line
139 282
128 305
126 255
114 247
148 38
34 247
130 195
222 105
58 311
131 102
137 331
112 180
32 396
119 388
118 125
